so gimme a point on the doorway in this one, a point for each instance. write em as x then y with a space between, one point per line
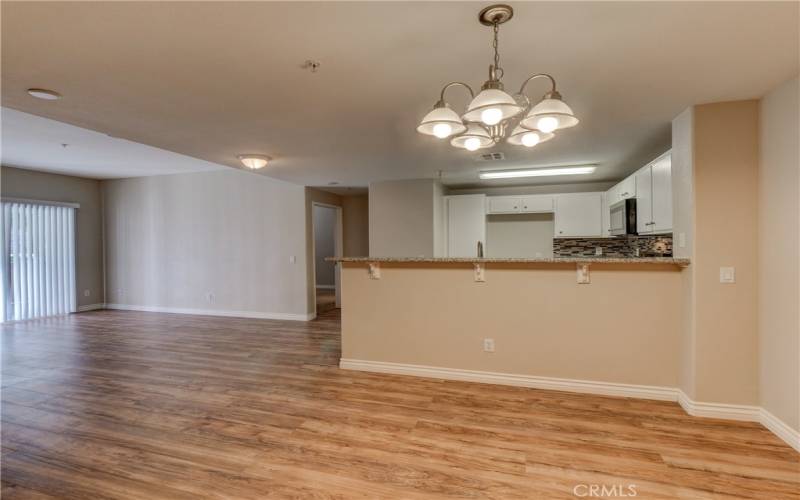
327 225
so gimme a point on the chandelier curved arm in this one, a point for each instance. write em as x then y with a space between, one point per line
553 90
453 84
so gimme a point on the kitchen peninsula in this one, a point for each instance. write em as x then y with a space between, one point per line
604 325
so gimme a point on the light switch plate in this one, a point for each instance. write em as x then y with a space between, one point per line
727 275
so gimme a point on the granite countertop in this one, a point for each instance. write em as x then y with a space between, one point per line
553 260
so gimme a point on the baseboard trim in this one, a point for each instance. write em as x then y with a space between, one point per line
780 429
327 287
744 413
555 384
691 407
215 312
91 307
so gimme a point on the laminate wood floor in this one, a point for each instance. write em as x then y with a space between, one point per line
131 405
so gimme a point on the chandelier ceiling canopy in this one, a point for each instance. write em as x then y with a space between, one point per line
492 113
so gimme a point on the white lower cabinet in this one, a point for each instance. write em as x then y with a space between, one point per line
466 224
578 214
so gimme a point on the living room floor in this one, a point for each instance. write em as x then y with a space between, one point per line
133 405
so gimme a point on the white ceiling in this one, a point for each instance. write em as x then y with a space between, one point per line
38 143
215 79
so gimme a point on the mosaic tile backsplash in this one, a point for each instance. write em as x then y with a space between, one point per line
622 246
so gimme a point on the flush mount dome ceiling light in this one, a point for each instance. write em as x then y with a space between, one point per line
48 95
254 162
493 110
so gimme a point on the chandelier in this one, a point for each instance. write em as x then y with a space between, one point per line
493 112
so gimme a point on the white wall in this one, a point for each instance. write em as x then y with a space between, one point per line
682 184
520 235
439 221
401 218
324 245
173 239
779 252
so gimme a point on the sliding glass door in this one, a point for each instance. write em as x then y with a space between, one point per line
38 261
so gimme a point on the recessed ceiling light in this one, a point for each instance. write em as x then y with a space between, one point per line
537 172
254 162
48 95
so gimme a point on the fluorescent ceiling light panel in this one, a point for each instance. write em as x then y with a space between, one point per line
537 172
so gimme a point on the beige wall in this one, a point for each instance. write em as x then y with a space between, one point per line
314 195
724 332
401 218
355 230
543 323
779 253
172 239
18 183
355 212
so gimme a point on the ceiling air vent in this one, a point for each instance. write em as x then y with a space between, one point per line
496 156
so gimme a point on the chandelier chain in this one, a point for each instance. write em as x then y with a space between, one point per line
495 46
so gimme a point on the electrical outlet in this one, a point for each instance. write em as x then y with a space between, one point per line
87 292
727 275
488 345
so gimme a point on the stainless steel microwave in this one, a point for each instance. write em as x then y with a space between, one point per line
622 218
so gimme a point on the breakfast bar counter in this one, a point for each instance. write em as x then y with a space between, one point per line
564 322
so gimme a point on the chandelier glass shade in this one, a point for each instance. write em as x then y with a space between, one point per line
493 112
474 138
441 122
491 106
521 136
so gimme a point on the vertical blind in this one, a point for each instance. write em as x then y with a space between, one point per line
38 266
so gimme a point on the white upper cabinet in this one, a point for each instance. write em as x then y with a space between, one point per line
644 200
537 203
578 214
503 204
662 195
654 196
519 204
466 224
623 190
